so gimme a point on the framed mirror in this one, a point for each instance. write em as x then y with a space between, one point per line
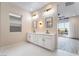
34 24
49 22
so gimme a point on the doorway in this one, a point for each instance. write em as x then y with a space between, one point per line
68 34
63 28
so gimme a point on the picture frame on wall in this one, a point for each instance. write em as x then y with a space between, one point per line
49 22
15 22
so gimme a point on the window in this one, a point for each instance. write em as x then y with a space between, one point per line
63 28
15 23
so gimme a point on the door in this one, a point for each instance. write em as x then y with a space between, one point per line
31 37
47 42
40 40
35 39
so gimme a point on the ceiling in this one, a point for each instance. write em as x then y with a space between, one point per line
65 10
68 11
31 6
72 9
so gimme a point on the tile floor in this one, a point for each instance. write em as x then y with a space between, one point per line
27 49
69 45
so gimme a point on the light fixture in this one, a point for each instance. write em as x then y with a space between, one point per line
35 15
48 8
48 11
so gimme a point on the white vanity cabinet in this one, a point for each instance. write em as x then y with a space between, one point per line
47 41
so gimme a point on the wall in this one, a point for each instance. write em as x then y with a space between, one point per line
8 37
0 20
41 18
74 27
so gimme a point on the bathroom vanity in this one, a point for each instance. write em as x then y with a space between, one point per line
48 41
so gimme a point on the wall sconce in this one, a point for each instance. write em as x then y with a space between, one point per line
40 23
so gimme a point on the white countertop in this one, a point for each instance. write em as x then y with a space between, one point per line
42 33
